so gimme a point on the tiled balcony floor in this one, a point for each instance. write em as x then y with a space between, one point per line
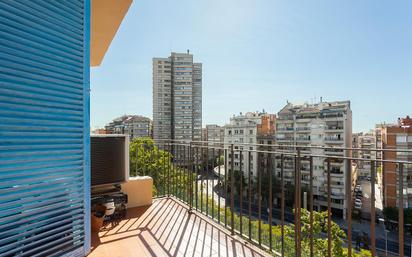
166 229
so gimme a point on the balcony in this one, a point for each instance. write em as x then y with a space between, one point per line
334 140
285 129
302 139
303 129
45 167
167 228
334 129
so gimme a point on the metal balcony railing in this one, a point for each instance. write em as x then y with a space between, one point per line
252 200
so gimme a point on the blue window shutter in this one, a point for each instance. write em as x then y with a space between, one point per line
44 128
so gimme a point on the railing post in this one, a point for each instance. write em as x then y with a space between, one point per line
213 170
401 228
270 168
241 192
329 210
219 183
226 182
249 195
196 178
259 172
297 203
207 179
168 168
311 204
191 172
349 202
373 215
232 187
282 203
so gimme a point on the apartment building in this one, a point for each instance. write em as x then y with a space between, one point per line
247 130
214 135
366 142
399 137
133 125
177 98
378 139
323 124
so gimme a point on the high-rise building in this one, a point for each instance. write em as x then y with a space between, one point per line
177 98
397 136
245 131
133 125
324 124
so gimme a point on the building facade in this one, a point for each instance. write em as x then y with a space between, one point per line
245 131
214 135
366 143
324 124
399 137
135 126
177 98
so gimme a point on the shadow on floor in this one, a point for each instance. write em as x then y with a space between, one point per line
167 229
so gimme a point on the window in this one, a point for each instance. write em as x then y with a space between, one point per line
251 132
403 139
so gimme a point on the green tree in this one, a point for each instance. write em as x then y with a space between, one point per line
319 232
146 159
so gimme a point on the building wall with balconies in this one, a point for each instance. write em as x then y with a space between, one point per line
324 124
397 137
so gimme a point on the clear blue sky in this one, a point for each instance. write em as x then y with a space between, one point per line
258 54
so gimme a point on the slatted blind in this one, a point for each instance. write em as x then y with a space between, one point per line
43 127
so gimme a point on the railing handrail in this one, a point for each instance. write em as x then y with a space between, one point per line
291 146
287 152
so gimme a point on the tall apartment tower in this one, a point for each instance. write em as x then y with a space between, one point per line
177 98
326 124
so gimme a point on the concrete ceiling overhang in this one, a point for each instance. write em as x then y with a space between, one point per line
106 17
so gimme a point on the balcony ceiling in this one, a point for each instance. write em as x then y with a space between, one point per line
106 17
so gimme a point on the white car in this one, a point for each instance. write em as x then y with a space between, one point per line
358 201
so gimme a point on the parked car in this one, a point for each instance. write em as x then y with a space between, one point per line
358 201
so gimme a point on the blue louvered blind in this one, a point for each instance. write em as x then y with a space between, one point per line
43 127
